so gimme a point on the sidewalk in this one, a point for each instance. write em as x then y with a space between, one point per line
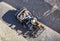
7 34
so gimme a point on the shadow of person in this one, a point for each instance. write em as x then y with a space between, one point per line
10 18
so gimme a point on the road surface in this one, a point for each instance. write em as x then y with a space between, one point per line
38 8
7 16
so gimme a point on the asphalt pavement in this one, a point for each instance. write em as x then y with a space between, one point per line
38 8
7 15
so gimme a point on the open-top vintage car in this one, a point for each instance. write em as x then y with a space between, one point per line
33 26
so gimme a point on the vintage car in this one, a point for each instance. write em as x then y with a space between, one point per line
35 32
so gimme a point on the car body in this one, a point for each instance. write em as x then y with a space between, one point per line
34 33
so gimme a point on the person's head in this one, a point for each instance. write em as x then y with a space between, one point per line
33 20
